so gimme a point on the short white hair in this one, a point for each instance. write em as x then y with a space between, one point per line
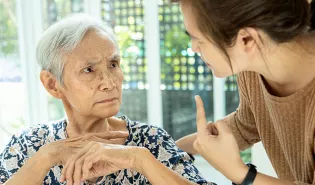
63 37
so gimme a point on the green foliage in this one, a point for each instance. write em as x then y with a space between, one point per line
126 43
175 42
246 155
8 28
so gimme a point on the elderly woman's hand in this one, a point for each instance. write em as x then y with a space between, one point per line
59 152
99 159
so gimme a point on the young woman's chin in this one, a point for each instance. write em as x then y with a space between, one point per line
219 74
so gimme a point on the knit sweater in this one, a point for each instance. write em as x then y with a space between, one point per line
285 125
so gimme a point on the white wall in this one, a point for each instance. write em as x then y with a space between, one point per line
261 160
209 173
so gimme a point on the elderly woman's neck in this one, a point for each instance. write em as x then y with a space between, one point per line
80 125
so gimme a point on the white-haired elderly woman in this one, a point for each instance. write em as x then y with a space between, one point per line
81 66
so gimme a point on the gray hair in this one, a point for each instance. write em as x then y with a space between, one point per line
63 37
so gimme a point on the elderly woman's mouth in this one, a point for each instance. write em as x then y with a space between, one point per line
109 100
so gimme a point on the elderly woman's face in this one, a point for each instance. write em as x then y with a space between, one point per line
93 77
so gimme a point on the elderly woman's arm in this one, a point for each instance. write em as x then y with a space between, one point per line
20 164
156 157
32 172
104 159
157 173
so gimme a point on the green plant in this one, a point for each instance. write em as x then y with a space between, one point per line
247 155
8 28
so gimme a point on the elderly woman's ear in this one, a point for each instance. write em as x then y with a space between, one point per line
51 84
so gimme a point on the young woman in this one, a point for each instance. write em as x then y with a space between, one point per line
267 43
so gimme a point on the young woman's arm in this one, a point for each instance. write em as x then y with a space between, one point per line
241 122
222 152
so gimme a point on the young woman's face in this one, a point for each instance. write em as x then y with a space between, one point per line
214 58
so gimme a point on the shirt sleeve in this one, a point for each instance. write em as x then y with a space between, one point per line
4 176
12 158
242 121
22 147
303 183
163 147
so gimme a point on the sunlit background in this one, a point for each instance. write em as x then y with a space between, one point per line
162 74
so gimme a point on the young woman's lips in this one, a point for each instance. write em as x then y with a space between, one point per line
209 65
206 62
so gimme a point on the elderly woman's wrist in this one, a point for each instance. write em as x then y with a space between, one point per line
142 159
44 159
49 155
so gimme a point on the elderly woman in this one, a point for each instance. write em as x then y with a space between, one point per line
81 66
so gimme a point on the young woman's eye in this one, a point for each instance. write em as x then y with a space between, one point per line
88 70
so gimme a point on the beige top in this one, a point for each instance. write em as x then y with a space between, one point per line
285 125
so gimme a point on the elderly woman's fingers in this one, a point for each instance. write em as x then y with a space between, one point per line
83 146
67 171
77 174
63 172
88 163
77 171
109 159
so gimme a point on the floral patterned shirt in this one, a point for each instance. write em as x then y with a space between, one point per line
24 145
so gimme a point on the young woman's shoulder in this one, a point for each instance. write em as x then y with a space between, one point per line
247 77
248 83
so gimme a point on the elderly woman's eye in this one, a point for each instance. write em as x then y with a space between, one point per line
88 70
114 64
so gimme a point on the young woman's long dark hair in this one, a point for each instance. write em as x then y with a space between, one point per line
312 15
221 20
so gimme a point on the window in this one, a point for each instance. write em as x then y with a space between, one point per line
126 17
12 104
183 75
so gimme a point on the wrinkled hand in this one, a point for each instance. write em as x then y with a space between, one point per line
60 151
99 159
216 143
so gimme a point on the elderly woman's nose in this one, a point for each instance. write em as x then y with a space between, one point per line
107 81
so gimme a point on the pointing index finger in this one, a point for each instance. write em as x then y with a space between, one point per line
200 116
